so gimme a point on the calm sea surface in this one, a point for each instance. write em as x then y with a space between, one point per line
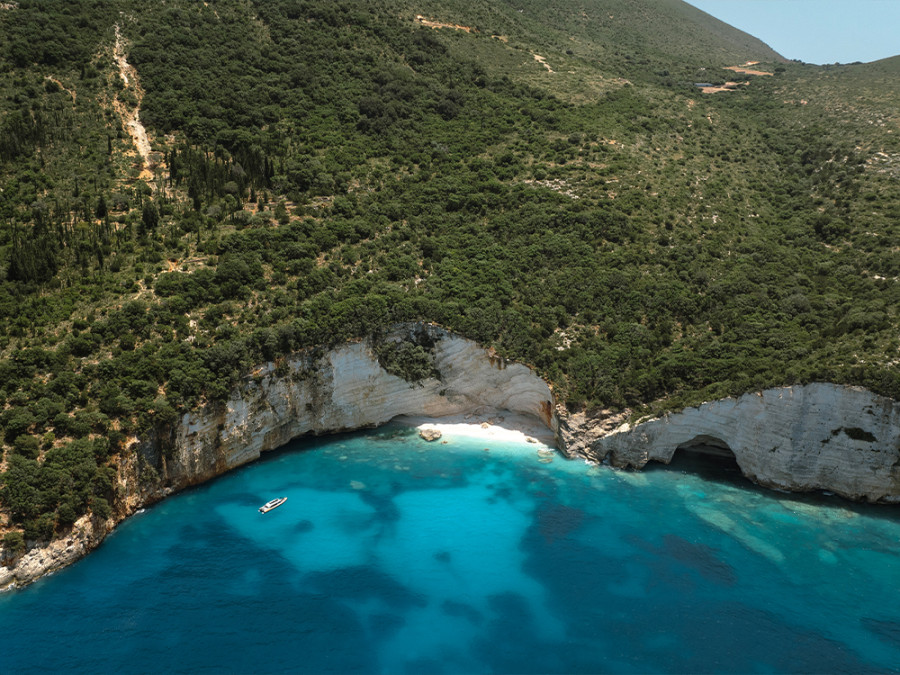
396 556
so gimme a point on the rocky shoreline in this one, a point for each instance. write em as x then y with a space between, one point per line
804 438
309 393
812 437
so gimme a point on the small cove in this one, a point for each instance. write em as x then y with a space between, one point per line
393 555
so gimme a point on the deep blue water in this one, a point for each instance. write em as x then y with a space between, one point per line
396 556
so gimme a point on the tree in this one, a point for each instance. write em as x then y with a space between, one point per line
101 209
149 218
14 542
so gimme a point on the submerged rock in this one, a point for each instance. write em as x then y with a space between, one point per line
429 434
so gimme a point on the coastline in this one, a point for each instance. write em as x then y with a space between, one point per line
802 438
342 390
488 424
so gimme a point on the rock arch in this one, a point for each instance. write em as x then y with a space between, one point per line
706 454
707 446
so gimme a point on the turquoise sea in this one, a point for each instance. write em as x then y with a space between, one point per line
392 555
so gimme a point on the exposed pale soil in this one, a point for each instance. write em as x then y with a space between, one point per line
747 71
131 118
438 24
732 86
728 86
70 92
540 59
556 184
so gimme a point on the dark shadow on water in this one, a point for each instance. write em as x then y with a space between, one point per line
712 463
716 467
681 622
304 526
510 641
886 630
678 625
424 665
361 583
383 504
385 625
557 521
392 432
190 616
335 459
702 559
461 609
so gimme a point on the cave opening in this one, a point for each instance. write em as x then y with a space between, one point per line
709 457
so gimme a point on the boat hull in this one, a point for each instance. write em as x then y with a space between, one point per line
274 504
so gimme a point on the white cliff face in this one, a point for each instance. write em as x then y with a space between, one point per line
813 437
342 390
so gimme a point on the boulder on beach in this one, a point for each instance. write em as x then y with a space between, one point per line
429 434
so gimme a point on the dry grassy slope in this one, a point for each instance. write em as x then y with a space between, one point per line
642 29
581 49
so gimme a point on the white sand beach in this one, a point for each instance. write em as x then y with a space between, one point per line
497 425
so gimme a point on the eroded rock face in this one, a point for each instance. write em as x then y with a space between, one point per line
40 561
345 389
309 393
813 437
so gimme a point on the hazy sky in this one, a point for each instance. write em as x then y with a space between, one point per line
816 31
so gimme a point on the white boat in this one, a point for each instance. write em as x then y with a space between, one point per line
274 504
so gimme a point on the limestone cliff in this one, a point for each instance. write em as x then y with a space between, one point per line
813 437
312 392
340 390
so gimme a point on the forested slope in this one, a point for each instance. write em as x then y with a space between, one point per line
545 180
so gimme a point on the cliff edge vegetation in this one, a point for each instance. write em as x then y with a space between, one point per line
549 181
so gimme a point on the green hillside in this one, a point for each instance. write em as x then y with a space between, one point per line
591 47
543 178
665 32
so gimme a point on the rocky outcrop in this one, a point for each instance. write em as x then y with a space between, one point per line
814 437
43 560
430 435
313 392
340 390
